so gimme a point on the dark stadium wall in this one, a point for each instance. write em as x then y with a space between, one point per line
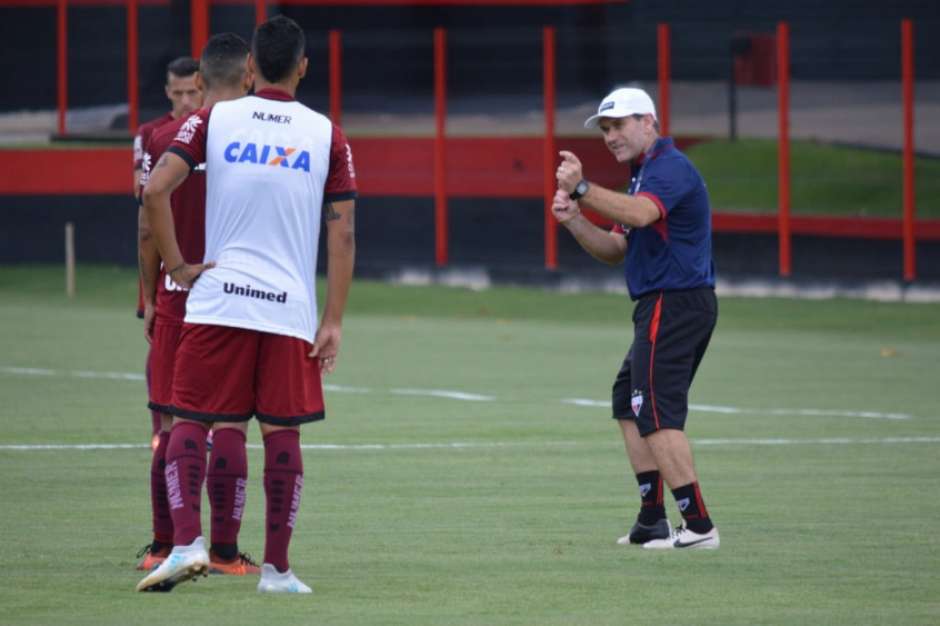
493 50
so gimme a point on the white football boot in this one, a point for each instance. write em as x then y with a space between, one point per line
273 581
682 537
183 563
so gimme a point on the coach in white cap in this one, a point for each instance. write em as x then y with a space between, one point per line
622 103
662 229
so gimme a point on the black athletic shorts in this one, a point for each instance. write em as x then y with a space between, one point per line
671 332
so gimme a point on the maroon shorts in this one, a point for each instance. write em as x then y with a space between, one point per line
226 374
166 334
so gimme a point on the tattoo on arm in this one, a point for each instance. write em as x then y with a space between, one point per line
331 213
162 162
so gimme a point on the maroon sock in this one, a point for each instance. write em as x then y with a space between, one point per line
156 421
283 483
162 522
226 482
185 473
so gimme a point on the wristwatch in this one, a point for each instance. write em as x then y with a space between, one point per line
579 190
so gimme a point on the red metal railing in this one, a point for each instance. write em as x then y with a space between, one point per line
664 77
133 61
907 81
440 147
549 157
783 146
198 25
336 76
62 63
910 228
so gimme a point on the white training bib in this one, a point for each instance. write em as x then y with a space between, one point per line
267 163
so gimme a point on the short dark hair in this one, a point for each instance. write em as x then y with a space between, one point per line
278 46
182 67
223 60
639 116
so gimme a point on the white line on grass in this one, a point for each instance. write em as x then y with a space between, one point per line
453 445
733 410
835 441
345 388
35 371
475 397
824 441
443 393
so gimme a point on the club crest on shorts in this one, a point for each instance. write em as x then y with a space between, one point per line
636 402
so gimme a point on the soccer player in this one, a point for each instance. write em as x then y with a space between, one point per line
185 97
250 345
663 230
223 75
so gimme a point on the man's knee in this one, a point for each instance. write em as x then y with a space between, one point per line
239 426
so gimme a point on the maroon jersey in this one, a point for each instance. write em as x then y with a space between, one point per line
189 218
144 131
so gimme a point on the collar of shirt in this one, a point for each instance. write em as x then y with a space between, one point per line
658 146
270 93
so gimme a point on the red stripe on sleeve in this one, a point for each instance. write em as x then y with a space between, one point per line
659 203
341 179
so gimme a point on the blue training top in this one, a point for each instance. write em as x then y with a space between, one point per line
674 252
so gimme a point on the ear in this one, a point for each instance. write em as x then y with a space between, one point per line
200 84
248 78
302 68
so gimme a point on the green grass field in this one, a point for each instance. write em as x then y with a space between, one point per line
825 179
816 431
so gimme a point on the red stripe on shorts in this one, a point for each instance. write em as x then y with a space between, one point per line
654 333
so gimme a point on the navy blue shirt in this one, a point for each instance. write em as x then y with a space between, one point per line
674 252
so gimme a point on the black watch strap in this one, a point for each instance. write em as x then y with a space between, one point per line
579 190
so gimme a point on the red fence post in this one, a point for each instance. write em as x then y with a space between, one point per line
783 146
664 76
261 12
199 26
907 87
133 103
62 81
440 154
548 146
336 76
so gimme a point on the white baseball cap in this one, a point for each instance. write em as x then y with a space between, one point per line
621 103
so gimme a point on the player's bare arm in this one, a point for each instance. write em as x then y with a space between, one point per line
341 255
168 174
148 260
605 246
633 211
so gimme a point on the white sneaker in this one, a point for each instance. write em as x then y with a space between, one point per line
682 537
273 581
183 563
